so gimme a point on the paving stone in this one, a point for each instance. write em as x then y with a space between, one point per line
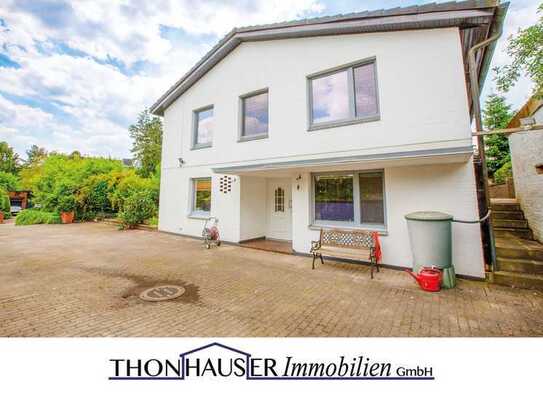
84 280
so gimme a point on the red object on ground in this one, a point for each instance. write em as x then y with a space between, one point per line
67 217
1 217
377 244
214 233
429 278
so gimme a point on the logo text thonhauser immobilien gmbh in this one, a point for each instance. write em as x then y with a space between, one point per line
222 361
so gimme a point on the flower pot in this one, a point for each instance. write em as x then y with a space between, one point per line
1 217
67 217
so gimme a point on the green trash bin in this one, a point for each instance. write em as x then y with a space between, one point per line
430 236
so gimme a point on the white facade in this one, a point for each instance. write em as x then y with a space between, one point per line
422 141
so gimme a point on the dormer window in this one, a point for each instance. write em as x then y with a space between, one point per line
344 95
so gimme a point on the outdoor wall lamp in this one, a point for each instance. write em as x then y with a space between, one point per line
181 161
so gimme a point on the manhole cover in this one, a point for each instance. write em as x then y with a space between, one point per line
162 293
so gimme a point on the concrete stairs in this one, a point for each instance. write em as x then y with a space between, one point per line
519 257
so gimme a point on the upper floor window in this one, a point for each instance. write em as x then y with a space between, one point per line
203 127
254 115
343 96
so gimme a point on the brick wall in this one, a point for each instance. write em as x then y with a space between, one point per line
526 154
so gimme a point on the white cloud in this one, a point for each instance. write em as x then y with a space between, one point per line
82 103
92 102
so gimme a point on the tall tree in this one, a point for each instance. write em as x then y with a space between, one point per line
496 115
35 155
147 142
9 159
526 49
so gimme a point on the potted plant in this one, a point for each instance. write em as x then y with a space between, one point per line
66 206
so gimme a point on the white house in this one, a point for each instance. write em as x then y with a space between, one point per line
349 121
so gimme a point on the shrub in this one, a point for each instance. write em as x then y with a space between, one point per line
34 216
9 181
137 207
66 203
130 184
504 172
94 195
62 175
5 205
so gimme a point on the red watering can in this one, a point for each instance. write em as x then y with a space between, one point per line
429 278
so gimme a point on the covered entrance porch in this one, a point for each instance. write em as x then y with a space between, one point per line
266 213
292 201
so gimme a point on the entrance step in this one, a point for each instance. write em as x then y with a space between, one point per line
519 257
515 248
518 280
512 206
510 223
515 232
507 215
520 265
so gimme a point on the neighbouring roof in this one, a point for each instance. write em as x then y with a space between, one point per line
476 19
530 107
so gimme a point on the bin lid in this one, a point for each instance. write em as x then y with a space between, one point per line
429 216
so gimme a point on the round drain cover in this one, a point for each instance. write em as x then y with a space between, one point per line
162 293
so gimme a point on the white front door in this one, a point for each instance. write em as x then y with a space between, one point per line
279 207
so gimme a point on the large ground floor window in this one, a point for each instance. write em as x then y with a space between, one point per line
349 198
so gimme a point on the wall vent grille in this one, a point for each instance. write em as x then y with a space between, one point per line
225 184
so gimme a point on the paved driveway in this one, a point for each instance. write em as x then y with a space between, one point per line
83 280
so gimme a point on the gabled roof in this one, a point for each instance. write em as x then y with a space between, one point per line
477 20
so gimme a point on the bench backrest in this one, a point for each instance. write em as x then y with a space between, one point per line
346 238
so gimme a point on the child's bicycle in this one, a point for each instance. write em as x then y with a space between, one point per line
211 233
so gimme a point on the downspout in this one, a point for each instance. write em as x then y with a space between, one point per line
488 233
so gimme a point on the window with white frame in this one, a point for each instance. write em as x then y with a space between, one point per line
201 196
343 96
353 198
254 115
203 127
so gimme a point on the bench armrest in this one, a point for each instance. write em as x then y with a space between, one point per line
315 245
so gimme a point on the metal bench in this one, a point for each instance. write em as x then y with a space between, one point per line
360 245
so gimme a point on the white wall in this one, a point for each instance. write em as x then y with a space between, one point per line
421 87
175 204
448 188
253 207
526 153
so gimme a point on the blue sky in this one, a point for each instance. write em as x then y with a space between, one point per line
74 75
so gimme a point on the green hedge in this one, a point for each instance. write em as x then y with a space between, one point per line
5 205
137 208
503 173
35 216
92 188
